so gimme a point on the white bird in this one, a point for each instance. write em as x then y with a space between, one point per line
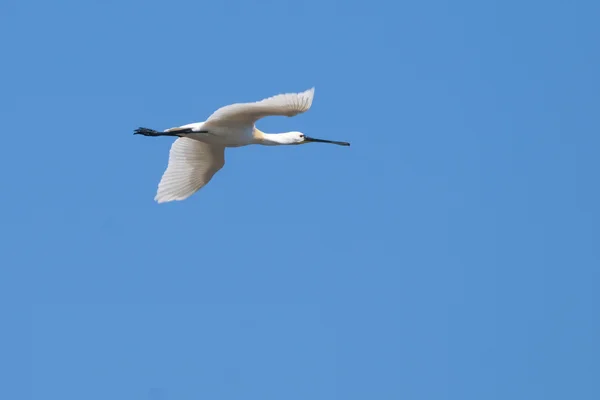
199 151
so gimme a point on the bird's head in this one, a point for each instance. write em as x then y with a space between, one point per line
300 138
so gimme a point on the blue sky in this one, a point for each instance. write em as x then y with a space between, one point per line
450 253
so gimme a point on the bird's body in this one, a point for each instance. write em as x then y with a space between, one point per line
199 151
228 136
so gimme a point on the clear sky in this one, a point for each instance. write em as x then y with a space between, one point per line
452 252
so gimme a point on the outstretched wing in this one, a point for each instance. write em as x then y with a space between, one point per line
287 104
192 165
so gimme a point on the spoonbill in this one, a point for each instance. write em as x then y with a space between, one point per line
199 151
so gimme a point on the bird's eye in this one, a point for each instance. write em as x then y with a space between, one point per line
302 136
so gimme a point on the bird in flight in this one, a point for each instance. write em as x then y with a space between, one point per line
199 151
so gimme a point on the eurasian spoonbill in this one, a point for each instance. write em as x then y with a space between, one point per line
199 151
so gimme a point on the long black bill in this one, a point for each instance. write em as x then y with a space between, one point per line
309 139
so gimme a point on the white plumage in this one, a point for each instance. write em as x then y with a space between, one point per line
288 104
199 151
192 165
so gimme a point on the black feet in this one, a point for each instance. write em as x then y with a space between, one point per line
148 132
172 132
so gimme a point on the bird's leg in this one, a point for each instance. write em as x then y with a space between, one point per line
151 132
170 132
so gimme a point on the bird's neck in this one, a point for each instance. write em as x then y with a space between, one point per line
269 139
